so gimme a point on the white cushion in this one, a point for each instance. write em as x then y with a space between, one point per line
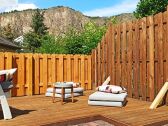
10 71
107 103
111 88
59 95
75 90
102 96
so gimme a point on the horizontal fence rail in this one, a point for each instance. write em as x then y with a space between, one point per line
134 55
37 72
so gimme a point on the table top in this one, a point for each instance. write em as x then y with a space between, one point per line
62 85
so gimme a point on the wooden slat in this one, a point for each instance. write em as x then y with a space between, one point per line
112 38
53 66
2 61
143 50
30 73
160 52
93 66
9 61
99 64
123 55
136 59
69 68
83 71
166 52
103 60
89 72
118 65
108 59
151 58
36 74
60 69
45 74
76 67
130 60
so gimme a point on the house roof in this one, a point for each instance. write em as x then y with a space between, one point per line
8 43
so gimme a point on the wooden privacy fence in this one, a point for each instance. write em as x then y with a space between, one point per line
36 72
135 55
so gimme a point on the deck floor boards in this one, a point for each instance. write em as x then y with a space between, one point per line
39 110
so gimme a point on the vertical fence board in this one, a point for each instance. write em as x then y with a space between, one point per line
37 74
103 60
82 71
99 64
160 52
130 61
45 73
30 73
124 52
143 50
60 68
136 58
69 68
166 52
151 58
76 72
53 70
118 65
2 61
112 35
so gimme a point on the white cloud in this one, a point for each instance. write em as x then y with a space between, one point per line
124 7
9 5
21 7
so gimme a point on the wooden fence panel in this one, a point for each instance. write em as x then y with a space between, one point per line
137 56
36 72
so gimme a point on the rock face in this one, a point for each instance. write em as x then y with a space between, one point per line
57 19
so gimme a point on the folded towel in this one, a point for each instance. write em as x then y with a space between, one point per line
112 89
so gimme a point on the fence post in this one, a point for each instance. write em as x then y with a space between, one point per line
151 58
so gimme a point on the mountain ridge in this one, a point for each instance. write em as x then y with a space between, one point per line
57 19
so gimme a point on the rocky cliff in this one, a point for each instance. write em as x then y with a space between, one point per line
57 19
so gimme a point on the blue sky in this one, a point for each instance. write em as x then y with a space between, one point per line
88 7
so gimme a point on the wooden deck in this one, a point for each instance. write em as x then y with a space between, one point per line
39 110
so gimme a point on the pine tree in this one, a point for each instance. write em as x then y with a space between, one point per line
38 25
32 40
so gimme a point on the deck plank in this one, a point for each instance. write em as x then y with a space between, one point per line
39 110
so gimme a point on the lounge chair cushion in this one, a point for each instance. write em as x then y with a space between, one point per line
59 95
107 103
103 96
107 81
67 91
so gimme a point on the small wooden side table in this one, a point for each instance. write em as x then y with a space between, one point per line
62 86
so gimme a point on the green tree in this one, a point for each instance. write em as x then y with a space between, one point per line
150 7
38 25
51 45
33 39
83 42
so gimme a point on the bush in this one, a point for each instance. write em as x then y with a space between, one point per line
51 45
